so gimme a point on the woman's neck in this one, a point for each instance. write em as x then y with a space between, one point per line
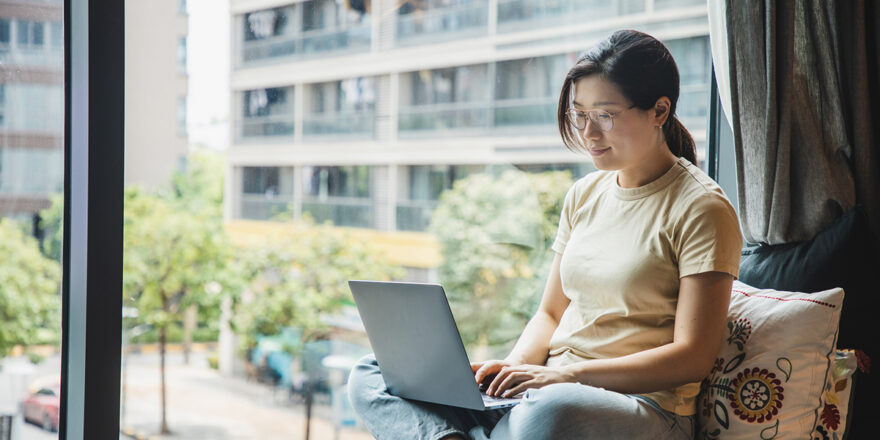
648 170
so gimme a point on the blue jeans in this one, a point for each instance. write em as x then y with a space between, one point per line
557 411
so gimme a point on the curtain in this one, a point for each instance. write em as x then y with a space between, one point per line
801 76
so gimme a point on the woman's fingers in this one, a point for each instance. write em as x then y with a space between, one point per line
488 368
522 386
512 378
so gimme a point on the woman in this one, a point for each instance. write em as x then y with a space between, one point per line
633 311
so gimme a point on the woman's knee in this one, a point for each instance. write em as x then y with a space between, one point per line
549 412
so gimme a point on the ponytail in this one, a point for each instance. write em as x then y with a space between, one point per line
679 140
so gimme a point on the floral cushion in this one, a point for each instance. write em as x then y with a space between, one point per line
836 398
772 369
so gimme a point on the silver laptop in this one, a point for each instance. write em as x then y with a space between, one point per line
417 344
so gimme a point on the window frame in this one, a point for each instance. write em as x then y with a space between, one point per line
93 200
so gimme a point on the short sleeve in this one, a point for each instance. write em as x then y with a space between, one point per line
709 238
566 220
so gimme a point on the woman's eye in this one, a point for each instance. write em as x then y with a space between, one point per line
604 116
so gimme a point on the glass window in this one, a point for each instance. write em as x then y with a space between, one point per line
181 55
181 115
261 180
31 219
4 31
336 181
57 35
267 112
181 7
37 33
267 23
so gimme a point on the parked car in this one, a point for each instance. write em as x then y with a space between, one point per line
42 408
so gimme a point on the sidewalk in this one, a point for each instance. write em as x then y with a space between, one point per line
202 404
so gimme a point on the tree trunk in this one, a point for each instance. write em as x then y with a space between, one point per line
308 396
163 428
190 320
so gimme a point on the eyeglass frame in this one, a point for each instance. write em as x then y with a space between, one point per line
587 113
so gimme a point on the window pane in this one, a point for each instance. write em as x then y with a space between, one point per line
329 141
31 218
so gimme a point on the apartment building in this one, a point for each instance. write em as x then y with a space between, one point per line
31 106
156 141
362 112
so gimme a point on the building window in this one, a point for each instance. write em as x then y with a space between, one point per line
456 97
260 25
181 55
181 116
4 32
267 112
332 181
341 108
261 180
57 35
30 33
181 7
2 104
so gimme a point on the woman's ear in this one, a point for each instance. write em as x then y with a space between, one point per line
661 110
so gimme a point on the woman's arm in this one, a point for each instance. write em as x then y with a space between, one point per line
533 345
703 301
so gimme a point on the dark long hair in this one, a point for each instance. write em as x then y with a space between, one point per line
642 67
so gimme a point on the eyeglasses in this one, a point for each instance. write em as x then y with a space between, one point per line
601 118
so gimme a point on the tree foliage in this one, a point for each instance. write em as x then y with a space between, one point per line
495 232
296 277
30 305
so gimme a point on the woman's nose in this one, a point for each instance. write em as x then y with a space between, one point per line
591 130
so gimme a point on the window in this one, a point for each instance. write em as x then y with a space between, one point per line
337 181
267 113
267 23
4 32
30 33
181 116
261 180
57 35
181 55
181 7
31 217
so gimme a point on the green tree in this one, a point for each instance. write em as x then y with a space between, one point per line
170 257
296 277
495 232
51 222
30 306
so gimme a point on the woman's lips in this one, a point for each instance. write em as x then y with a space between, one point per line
598 151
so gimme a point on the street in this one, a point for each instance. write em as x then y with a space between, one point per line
201 404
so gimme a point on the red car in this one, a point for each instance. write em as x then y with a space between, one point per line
42 408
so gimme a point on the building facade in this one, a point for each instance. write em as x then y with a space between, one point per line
156 141
362 112
31 106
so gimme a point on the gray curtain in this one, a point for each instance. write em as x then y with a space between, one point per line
802 75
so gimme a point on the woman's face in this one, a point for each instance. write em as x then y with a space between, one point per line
635 136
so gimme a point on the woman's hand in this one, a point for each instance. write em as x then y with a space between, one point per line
512 379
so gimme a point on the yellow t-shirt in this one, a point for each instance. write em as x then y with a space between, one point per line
623 253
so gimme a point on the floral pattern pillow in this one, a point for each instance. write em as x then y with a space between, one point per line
836 397
773 366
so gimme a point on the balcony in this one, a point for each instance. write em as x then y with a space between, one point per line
508 115
414 215
32 57
526 113
516 15
342 124
458 116
266 127
356 212
436 25
307 44
262 207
